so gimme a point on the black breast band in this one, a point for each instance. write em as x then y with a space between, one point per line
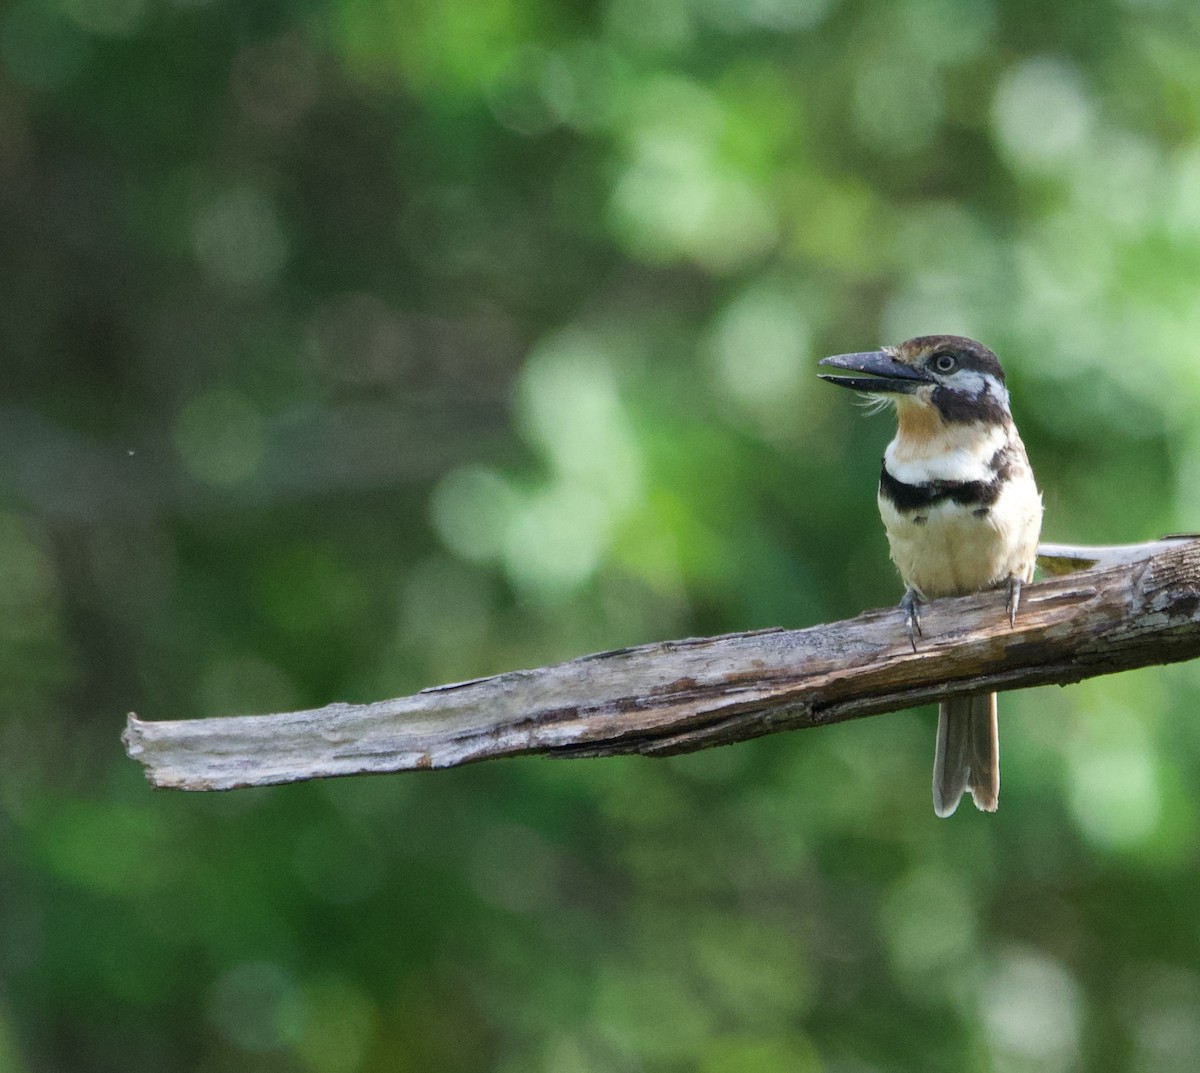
975 494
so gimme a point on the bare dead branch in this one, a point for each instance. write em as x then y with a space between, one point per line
1137 605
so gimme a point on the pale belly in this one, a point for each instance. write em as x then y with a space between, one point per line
949 550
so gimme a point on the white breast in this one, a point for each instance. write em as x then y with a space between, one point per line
949 550
957 453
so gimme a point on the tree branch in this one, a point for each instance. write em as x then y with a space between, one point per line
1137 605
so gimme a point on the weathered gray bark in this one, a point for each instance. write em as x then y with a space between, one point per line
1136 605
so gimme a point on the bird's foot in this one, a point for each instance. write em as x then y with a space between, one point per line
912 617
1014 600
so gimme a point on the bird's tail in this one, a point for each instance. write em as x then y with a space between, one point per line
968 754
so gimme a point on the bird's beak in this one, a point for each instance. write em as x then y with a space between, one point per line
885 373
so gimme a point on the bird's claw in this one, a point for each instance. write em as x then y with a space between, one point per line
1013 601
912 617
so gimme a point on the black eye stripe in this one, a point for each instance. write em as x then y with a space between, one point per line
945 363
967 354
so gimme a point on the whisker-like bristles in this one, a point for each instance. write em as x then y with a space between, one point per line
873 404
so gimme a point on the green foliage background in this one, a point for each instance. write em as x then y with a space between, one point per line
352 347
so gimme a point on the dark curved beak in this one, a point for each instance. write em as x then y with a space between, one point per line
884 373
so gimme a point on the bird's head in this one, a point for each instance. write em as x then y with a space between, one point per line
943 378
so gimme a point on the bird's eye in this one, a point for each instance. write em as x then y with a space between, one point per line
945 363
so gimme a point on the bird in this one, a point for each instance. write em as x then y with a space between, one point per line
962 513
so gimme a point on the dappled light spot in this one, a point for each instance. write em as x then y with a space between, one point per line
569 405
588 84
1032 1011
677 197
898 102
1042 113
1115 795
675 201
471 509
255 1005
220 437
759 348
557 539
338 1027
930 923
238 238
524 95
